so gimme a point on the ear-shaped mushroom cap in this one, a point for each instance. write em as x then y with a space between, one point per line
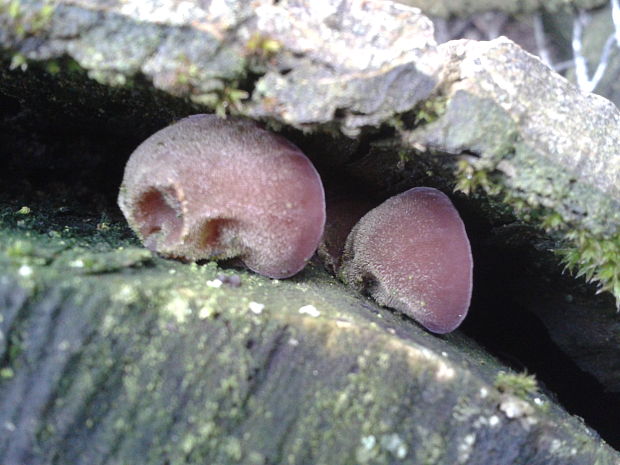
209 188
412 253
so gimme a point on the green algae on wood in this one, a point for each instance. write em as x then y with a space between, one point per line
519 384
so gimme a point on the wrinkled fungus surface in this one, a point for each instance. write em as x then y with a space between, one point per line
412 253
209 188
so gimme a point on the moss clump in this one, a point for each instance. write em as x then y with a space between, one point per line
27 21
18 61
596 259
520 385
228 99
6 373
586 254
430 110
262 47
470 178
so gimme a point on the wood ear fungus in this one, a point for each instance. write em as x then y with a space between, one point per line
412 253
209 188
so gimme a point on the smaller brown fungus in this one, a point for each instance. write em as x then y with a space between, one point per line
209 188
411 253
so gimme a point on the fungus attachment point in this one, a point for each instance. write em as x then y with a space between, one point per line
343 212
208 188
412 253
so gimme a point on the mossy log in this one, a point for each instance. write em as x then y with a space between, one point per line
111 355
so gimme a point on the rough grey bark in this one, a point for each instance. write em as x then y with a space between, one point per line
358 63
367 72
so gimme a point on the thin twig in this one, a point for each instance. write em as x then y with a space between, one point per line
602 65
615 17
541 43
581 66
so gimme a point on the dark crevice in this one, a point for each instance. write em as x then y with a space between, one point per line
248 83
369 285
258 377
505 281
9 107
470 153
369 138
520 340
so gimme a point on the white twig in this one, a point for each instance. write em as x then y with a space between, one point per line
563 65
581 66
541 43
615 17
602 65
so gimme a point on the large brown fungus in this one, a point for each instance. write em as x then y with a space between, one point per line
412 253
209 188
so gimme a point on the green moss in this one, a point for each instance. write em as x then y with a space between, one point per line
52 67
188 72
404 156
89 262
27 21
520 385
552 221
262 47
20 249
12 9
592 256
596 259
43 16
226 100
18 61
430 110
469 179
